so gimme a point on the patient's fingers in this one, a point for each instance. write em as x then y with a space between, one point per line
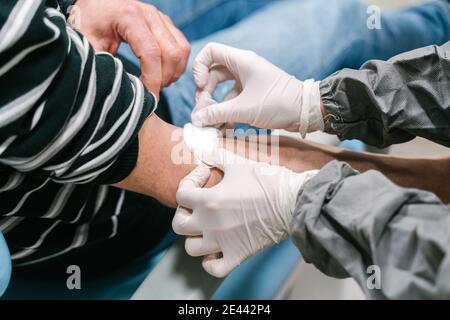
182 42
174 48
184 223
133 29
199 246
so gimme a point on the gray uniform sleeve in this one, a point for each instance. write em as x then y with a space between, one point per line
387 102
346 222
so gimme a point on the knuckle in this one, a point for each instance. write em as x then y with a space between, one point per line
151 8
130 10
165 16
186 48
176 78
176 54
152 51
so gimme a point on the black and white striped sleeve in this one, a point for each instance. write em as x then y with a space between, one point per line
66 113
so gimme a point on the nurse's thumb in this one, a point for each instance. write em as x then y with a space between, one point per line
216 114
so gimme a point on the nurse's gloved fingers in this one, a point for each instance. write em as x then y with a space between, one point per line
203 99
196 179
189 198
237 89
197 247
224 112
223 159
184 223
217 74
217 266
190 190
216 54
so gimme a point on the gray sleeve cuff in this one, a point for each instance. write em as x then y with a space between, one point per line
387 102
333 120
312 197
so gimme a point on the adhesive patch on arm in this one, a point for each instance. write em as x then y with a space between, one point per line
200 140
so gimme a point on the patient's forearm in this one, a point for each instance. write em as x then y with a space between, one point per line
159 170
422 173
155 174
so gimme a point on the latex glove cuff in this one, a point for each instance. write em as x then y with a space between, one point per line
294 183
311 118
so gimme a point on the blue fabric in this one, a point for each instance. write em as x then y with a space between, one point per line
198 19
5 265
307 38
354 145
262 276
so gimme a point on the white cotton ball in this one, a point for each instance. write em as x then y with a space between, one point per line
200 140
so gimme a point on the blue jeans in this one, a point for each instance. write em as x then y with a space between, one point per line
306 38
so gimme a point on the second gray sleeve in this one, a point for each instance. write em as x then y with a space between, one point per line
346 222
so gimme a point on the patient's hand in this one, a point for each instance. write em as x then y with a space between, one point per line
161 48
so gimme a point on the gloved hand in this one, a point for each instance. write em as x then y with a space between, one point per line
263 96
248 211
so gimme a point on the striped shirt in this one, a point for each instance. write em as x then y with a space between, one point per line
69 119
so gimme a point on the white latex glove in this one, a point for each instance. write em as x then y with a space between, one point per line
248 211
264 95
